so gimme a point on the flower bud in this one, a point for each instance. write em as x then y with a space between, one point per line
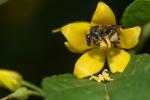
10 79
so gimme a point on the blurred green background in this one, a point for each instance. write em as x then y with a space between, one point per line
26 42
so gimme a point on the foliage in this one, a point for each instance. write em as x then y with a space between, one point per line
133 84
3 1
137 13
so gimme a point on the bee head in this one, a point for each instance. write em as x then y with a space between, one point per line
96 30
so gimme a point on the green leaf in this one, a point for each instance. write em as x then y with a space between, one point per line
3 1
137 13
133 84
145 36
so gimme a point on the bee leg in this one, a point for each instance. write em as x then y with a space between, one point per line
115 44
95 39
103 39
96 42
88 39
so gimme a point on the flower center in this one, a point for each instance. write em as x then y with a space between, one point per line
103 35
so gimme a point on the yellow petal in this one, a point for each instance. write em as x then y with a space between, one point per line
103 15
129 37
10 79
89 63
75 33
70 47
117 59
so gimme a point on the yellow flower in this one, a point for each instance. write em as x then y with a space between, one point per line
10 79
100 40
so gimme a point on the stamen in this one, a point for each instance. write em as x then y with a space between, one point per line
104 77
98 79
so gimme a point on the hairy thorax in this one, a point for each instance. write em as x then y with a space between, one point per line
99 35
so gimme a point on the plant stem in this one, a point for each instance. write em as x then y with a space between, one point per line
36 93
5 98
13 95
107 93
34 87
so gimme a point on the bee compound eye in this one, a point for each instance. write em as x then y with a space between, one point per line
94 29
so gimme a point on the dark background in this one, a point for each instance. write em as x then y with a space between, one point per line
26 42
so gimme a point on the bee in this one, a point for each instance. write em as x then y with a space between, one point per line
107 34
